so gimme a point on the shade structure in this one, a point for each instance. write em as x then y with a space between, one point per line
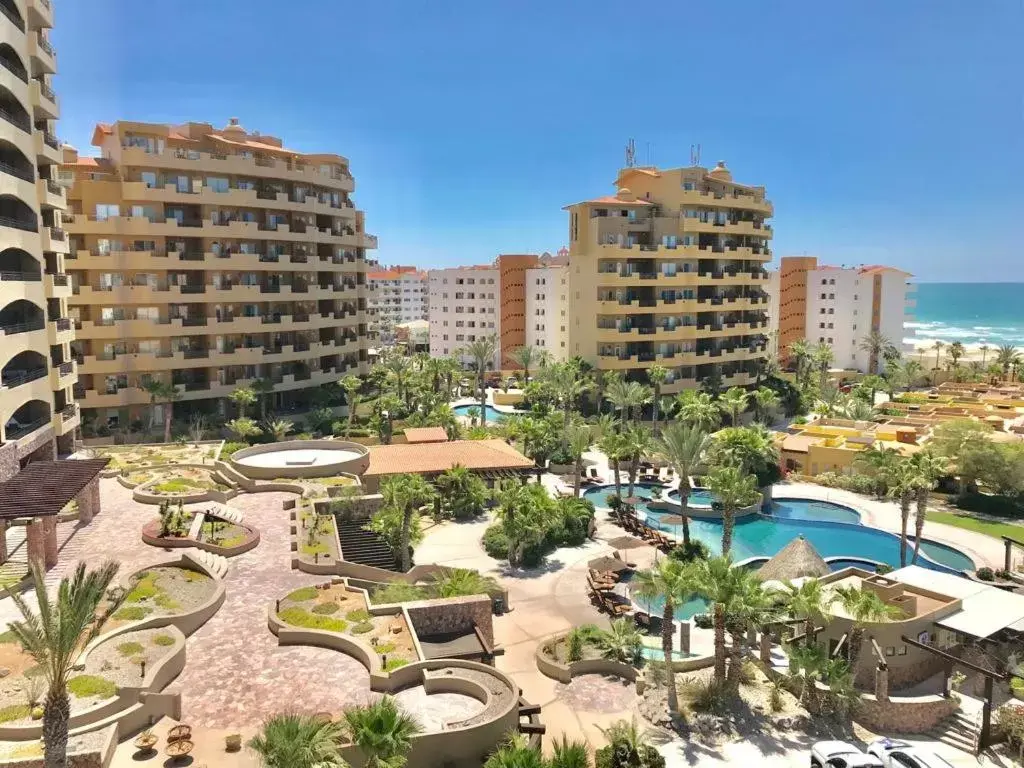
796 560
608 563
627 542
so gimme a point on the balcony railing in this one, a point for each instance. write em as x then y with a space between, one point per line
69 412
46 91
20 430
193 321
25 277
18 121
65 369
60 278
51 140
63 323
15 69
17 378
196 354
24 327
45 45
56 233
14 19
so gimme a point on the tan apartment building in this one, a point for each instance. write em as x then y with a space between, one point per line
395 295
211 258
38 416
670 271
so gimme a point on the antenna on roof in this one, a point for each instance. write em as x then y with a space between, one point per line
630 153
695 154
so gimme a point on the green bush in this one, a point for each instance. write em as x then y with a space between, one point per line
326 609
8 637
133 613
163 640
707 695
130 649
1009 722
362 628
14 712
302 595
395 663
89 686
495 542
298 617
695 550
383 648
397 592
985 574
231 448
358 615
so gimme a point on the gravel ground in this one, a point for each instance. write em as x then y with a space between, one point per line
124 667
85 742
178 590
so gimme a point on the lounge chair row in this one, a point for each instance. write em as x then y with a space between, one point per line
640 528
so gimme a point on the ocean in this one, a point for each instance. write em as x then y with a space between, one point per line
971 313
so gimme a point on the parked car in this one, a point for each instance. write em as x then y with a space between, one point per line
899 754
839 754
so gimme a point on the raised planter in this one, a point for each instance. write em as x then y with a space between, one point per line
151 531
564 673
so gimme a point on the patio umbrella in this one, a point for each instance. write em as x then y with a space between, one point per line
627 542
608 563
797 559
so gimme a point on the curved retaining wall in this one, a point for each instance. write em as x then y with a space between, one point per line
172 543
353 465
915 714
564 673
322 638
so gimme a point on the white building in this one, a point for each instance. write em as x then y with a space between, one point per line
772 331
464 305
547 303
394 295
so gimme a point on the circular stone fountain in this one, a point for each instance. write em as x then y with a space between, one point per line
301 458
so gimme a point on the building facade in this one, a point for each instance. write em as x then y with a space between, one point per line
547 305
840 306
670 271
395 295
38 416
464 305
210 259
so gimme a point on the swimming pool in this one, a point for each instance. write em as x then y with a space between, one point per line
833 529
493 416
699 497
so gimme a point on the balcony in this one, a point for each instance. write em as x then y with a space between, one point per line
58 286
67 420
60 331
17 430
40 13
63 376
44 101
13 17
47 148
18 377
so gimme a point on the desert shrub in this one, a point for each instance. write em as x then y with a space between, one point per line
856 483
705 725
775 700
299 617
14 712
358 615
495 542
397 592
166 601
133 613
302 595
703 621
383 648
707 695
883 568
88 686
163 640
362 628
130 649
230 448
144 588
985 574
1009 722
326 609
395 663
574 645
748 673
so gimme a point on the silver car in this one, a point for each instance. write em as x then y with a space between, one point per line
839 754
899 754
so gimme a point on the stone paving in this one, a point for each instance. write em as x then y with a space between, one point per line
598 693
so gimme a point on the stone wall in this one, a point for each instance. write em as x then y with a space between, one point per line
454 614
8 461
42 447
916 714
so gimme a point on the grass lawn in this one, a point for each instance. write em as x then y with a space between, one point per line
970 523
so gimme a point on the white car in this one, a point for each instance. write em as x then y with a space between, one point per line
899 754
839 754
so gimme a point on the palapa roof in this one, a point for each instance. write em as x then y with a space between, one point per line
798 559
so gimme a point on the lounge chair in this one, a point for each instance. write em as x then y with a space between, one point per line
617 556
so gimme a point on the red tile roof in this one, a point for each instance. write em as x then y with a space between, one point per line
426 435
433 458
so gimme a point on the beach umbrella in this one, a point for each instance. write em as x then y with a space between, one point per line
607 563
627 542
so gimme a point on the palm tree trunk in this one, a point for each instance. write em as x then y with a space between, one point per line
728 519
808 632
667 634
351 415
56 714
618 482
684 499
168 415
904 519
404 543
634 466
719 623
735 659
856 640
922 508
577 471
483 401
657 414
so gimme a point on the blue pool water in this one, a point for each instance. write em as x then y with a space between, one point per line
699 497
834 530
492 415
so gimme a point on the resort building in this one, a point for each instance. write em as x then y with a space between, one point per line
547 305
38 416
832 445
394 295
415 335
839 306
208 259
670 271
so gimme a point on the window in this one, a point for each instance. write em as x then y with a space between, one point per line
821 325
149 179
104 211
824 281
217 183
823 296
183 184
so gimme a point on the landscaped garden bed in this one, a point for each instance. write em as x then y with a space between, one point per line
125 658
316 535
130 457
174 528
163 591
336 608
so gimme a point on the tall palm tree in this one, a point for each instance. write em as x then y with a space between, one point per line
903 488
293 740
638 441
627 397
579 439
733 489
682 445
822 357
382 732
616 447
806 601
734 403
657 375
167 393
405 494
719 583
863 607
765 403
800 356
938 347
955 352
351 386
1007 356
876 344
674 582
752 608
984 352
527 357
699 409
482 351
929 469
55 636
264 389
569 385
911 372
243 397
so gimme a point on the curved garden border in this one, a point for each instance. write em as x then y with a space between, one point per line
356 465
149 535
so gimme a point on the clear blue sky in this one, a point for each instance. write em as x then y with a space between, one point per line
885 130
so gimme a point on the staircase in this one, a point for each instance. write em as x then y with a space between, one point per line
216 565
363 547
232 475
959 730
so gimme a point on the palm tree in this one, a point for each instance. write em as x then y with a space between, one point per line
351 386
568 754
719 583
243 428
482 351
243 397
800 355
622 395
733 490
911 372
462 582
293 740
879 462
699 409
681 446
163 391
822 356
929 469
569 385
616 447
638 442
876 344
955 352
938 346
674 582
752 608
278 428
984 352
733 402
579 440
526 357
807 601
627 747
765 403
1007 356
863 607
620 642
657 375
382 732
515 752
903 487
56 635
975 369
404 494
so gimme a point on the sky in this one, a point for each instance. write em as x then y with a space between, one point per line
885 131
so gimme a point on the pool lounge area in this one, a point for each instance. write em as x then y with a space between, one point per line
492 414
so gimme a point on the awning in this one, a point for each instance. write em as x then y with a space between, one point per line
985 613
44 488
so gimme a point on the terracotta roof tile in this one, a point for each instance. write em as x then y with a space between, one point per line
437 457
426 435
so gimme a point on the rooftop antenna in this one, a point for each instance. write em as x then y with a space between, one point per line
630 153
695 154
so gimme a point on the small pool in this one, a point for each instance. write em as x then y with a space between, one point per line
687 610
493 416
654 653
599 495
699 497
